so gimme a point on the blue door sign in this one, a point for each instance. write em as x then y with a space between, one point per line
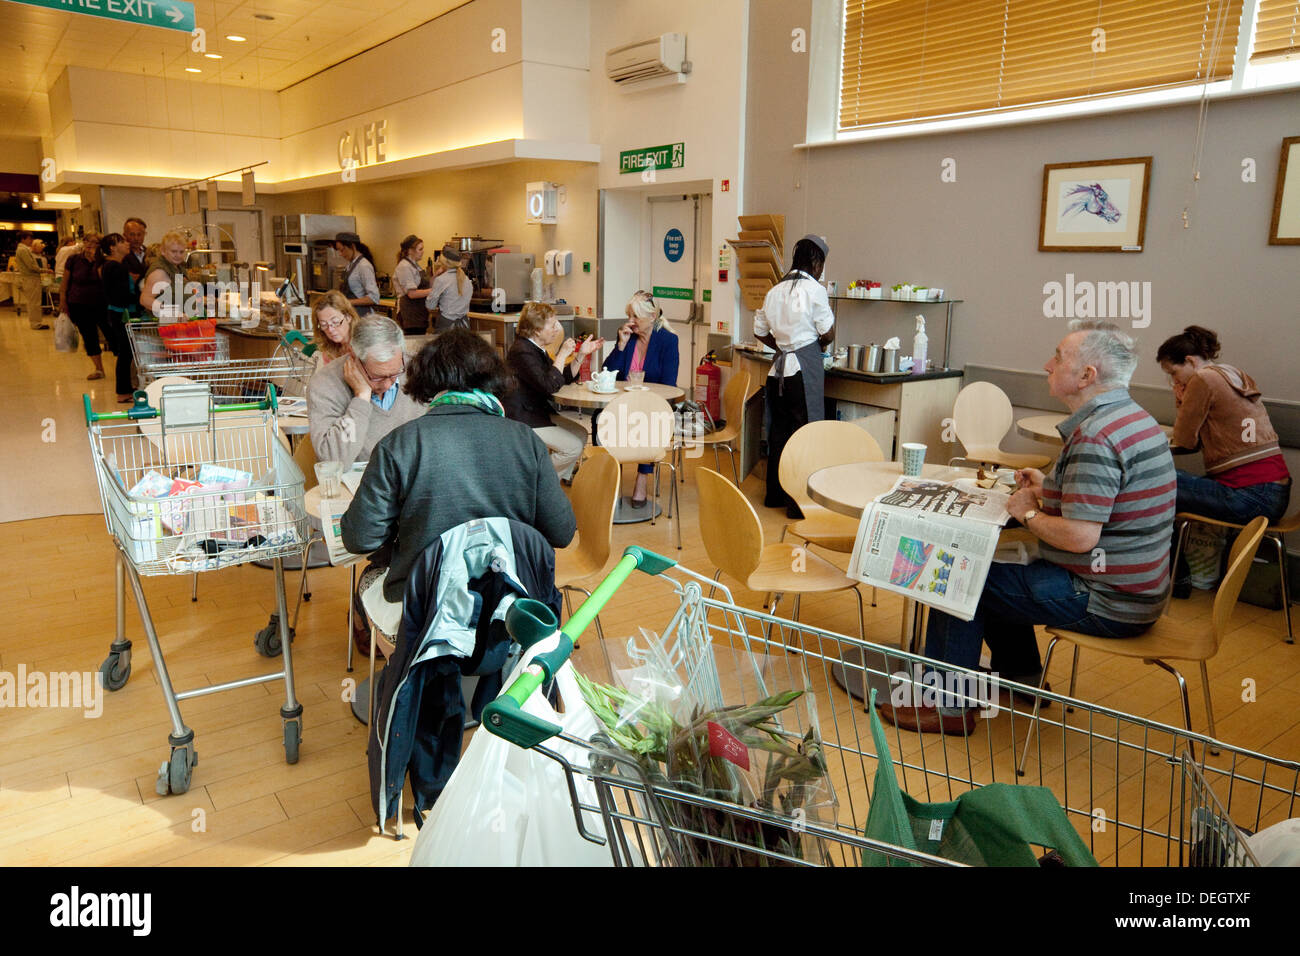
674 244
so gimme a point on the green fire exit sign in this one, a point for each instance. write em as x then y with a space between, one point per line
672 156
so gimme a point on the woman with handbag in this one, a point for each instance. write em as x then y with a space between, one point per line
82 294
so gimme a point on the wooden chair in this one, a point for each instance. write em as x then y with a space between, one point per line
981 417
1275 533
733 411
595 493
637 428
815 446
1168 639
733 538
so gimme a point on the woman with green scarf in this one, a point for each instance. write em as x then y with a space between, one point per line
461 460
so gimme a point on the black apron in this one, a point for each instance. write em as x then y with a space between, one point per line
346 287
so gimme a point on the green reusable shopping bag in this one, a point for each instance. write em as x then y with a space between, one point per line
994 825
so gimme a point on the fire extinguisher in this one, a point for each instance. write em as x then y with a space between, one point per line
584 366
708 385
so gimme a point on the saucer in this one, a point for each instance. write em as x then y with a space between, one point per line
591 387
636 388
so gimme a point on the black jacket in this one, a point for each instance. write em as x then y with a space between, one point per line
419 709
535 380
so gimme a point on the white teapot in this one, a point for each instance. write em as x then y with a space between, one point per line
603 381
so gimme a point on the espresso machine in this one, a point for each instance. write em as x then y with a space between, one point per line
304 250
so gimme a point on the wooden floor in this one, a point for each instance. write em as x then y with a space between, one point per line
80 790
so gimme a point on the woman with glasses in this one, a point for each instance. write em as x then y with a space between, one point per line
354 402
332 317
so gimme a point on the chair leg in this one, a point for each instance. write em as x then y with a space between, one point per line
717 575
568 607
1038 703
351 591
1280 543
873 597
717 462
194 588
1209 705
862 624
1074 676
735 467
1173 568
1182 690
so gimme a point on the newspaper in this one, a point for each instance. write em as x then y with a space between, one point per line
931 541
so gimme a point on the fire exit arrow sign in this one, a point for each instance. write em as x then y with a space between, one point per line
168 14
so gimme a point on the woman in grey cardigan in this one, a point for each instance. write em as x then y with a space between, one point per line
462 459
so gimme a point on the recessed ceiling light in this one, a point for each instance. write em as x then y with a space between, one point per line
213 56
192 69
235 38
263 16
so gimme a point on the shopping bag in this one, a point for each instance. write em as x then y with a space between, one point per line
65 334
994 825
509 806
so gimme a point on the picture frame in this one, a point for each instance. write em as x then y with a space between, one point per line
1095 206
1285 230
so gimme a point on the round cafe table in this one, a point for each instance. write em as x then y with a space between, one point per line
847 489
1043 427
578 394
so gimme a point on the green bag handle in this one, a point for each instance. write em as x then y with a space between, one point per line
505 716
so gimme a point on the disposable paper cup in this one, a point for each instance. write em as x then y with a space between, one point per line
913 458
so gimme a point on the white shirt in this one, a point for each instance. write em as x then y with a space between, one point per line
61 258
447 296
361 283
794 313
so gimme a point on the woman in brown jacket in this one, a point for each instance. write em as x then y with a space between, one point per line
1221 414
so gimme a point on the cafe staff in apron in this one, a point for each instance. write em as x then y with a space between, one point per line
797 321
358 283
411 287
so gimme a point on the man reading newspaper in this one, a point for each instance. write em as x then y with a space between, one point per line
1103 519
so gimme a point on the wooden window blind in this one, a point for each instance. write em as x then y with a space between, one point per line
907 60
1277 30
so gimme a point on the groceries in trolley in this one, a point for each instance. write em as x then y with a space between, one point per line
219 509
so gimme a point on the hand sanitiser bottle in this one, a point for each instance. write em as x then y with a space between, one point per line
920 344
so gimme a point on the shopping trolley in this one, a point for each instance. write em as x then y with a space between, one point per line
250 508
1138 792
200 352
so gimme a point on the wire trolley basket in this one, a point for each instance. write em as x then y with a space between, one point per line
200 352
195 486
1137 792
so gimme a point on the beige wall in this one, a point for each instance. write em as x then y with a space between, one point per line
889 217
22 156
488 201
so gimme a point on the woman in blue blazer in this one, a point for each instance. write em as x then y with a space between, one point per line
645 344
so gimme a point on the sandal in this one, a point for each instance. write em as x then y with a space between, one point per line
94 376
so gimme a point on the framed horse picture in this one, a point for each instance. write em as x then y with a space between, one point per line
1098 206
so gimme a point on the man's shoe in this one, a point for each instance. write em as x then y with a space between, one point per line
927 720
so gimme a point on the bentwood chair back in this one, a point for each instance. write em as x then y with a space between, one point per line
638 428
733 539
1169 639
815 446
304 456
981 417
594 497
733 411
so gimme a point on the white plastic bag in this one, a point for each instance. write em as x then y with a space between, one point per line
507 806
65 334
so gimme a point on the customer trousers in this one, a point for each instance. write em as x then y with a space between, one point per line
1205 496
89 320
29 296
1015 598
565 439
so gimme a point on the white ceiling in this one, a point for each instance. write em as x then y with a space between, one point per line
305 37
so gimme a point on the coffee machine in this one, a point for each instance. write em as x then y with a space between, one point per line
304 250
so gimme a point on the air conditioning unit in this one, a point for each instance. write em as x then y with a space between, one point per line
657 61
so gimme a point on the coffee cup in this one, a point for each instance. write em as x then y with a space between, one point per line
913 458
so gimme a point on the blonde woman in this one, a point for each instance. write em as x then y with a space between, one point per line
451 292
647 345
332 318
158 288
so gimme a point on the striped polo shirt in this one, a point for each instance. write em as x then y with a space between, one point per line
1116 469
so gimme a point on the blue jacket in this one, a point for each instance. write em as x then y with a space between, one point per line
452 627
661 358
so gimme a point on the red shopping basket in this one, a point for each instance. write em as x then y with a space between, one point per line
199 335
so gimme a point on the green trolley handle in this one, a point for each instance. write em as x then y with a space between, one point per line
505 716
141 408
